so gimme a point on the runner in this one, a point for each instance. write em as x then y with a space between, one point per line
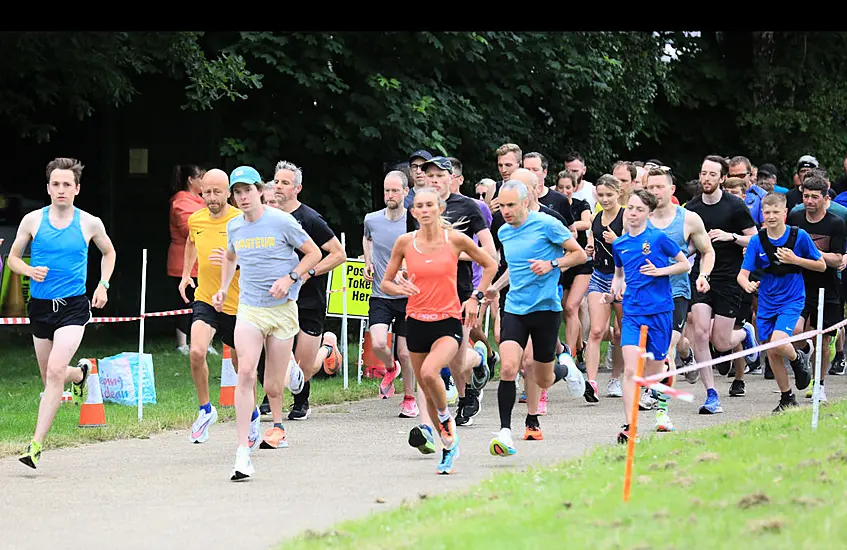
606 226
730 226
311 303
575 164
262 242
382 229
509 157
58 308
532 245
828 232
683 227
205 247
469 368
416 161
782 253
434 312
642 262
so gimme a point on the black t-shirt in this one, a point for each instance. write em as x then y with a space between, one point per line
558 202
578 206
795 197
313 291
497 222
466 210
729 214
829 235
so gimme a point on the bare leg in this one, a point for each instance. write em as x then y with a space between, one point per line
201 336
249 342
599 314
66 341
573 302
406 369
631 355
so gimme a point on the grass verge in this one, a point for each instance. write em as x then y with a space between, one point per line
763 483
176 406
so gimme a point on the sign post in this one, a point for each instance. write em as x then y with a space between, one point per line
349 295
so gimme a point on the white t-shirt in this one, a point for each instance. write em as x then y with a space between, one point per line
587 194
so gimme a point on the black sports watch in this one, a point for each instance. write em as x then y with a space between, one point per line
311 273
478 295
706 276
294 276
554 262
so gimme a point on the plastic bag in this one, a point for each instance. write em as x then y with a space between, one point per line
119 379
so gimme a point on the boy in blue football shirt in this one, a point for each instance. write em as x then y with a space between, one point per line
642 276
782 252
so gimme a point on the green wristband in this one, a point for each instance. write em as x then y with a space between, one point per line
105 284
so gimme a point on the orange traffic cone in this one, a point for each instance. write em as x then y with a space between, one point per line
92 413
372 366
228 379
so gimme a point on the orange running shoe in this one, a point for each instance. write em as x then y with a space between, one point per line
333 361
274 439
533 434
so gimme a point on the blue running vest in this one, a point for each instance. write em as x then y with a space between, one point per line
65 253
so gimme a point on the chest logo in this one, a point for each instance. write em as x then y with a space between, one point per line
645 248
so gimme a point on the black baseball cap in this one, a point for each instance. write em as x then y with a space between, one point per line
768 169
422 153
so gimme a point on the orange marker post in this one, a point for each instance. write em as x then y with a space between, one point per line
633 425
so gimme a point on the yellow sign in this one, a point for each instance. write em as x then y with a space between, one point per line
6 283
358 290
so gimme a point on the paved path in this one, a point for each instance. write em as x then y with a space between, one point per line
163 492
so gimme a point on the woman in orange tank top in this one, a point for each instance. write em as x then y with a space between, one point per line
433 311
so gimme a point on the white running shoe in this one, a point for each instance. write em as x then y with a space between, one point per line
211 350
452 392
255 436
200 428
184 349
243 468
614 388
296 379
574 379
647 401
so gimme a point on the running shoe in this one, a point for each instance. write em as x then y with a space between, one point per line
79 390
332 362
542 403
750 342
822 395
837 366
274 439
800 366
786 403
712 404
254 438
421 438
580 357
623 435
522 397
243 468
200 428
296 378
447 430
300 411
32 454
386 387
481 372
450 387
502 444
663 421
409 407
533 433
574 379
448 458
613 389
737 389
648 400
184 349
473 403
591 391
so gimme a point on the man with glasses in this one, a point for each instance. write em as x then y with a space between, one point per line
740 167
416 160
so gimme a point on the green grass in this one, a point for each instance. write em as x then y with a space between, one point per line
765 483
176 406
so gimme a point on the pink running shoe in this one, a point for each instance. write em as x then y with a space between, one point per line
386 387
409 408
542 403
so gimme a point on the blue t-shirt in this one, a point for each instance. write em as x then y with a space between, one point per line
266 252
754 203
780 294
540 237
645 294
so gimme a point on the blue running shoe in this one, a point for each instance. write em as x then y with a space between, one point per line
448 458
712 404
749 343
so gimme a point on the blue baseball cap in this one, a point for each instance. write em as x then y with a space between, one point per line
424 154
442 162
244 174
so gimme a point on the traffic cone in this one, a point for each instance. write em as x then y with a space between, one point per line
228 379
92 413
372 366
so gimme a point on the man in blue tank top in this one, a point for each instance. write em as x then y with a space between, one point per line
643 265
683 227
58 307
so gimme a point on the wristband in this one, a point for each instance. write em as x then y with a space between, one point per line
105 284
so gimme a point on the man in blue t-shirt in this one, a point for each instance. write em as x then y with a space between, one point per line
643 263
781 253
533 246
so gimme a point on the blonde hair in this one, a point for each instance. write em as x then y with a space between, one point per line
442 203
609 181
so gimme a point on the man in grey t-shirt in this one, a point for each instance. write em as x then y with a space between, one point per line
262 242
381 231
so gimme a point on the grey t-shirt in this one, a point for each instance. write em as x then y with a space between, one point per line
265 250
383 233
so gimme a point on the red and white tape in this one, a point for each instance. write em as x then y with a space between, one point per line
667 390
342 289
25 320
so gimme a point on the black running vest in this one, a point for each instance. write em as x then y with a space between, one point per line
776 267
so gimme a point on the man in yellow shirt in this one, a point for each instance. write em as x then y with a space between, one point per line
207 242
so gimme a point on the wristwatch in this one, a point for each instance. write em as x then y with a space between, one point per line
311 273
554 262
294 276
478 295
734 237
706 276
